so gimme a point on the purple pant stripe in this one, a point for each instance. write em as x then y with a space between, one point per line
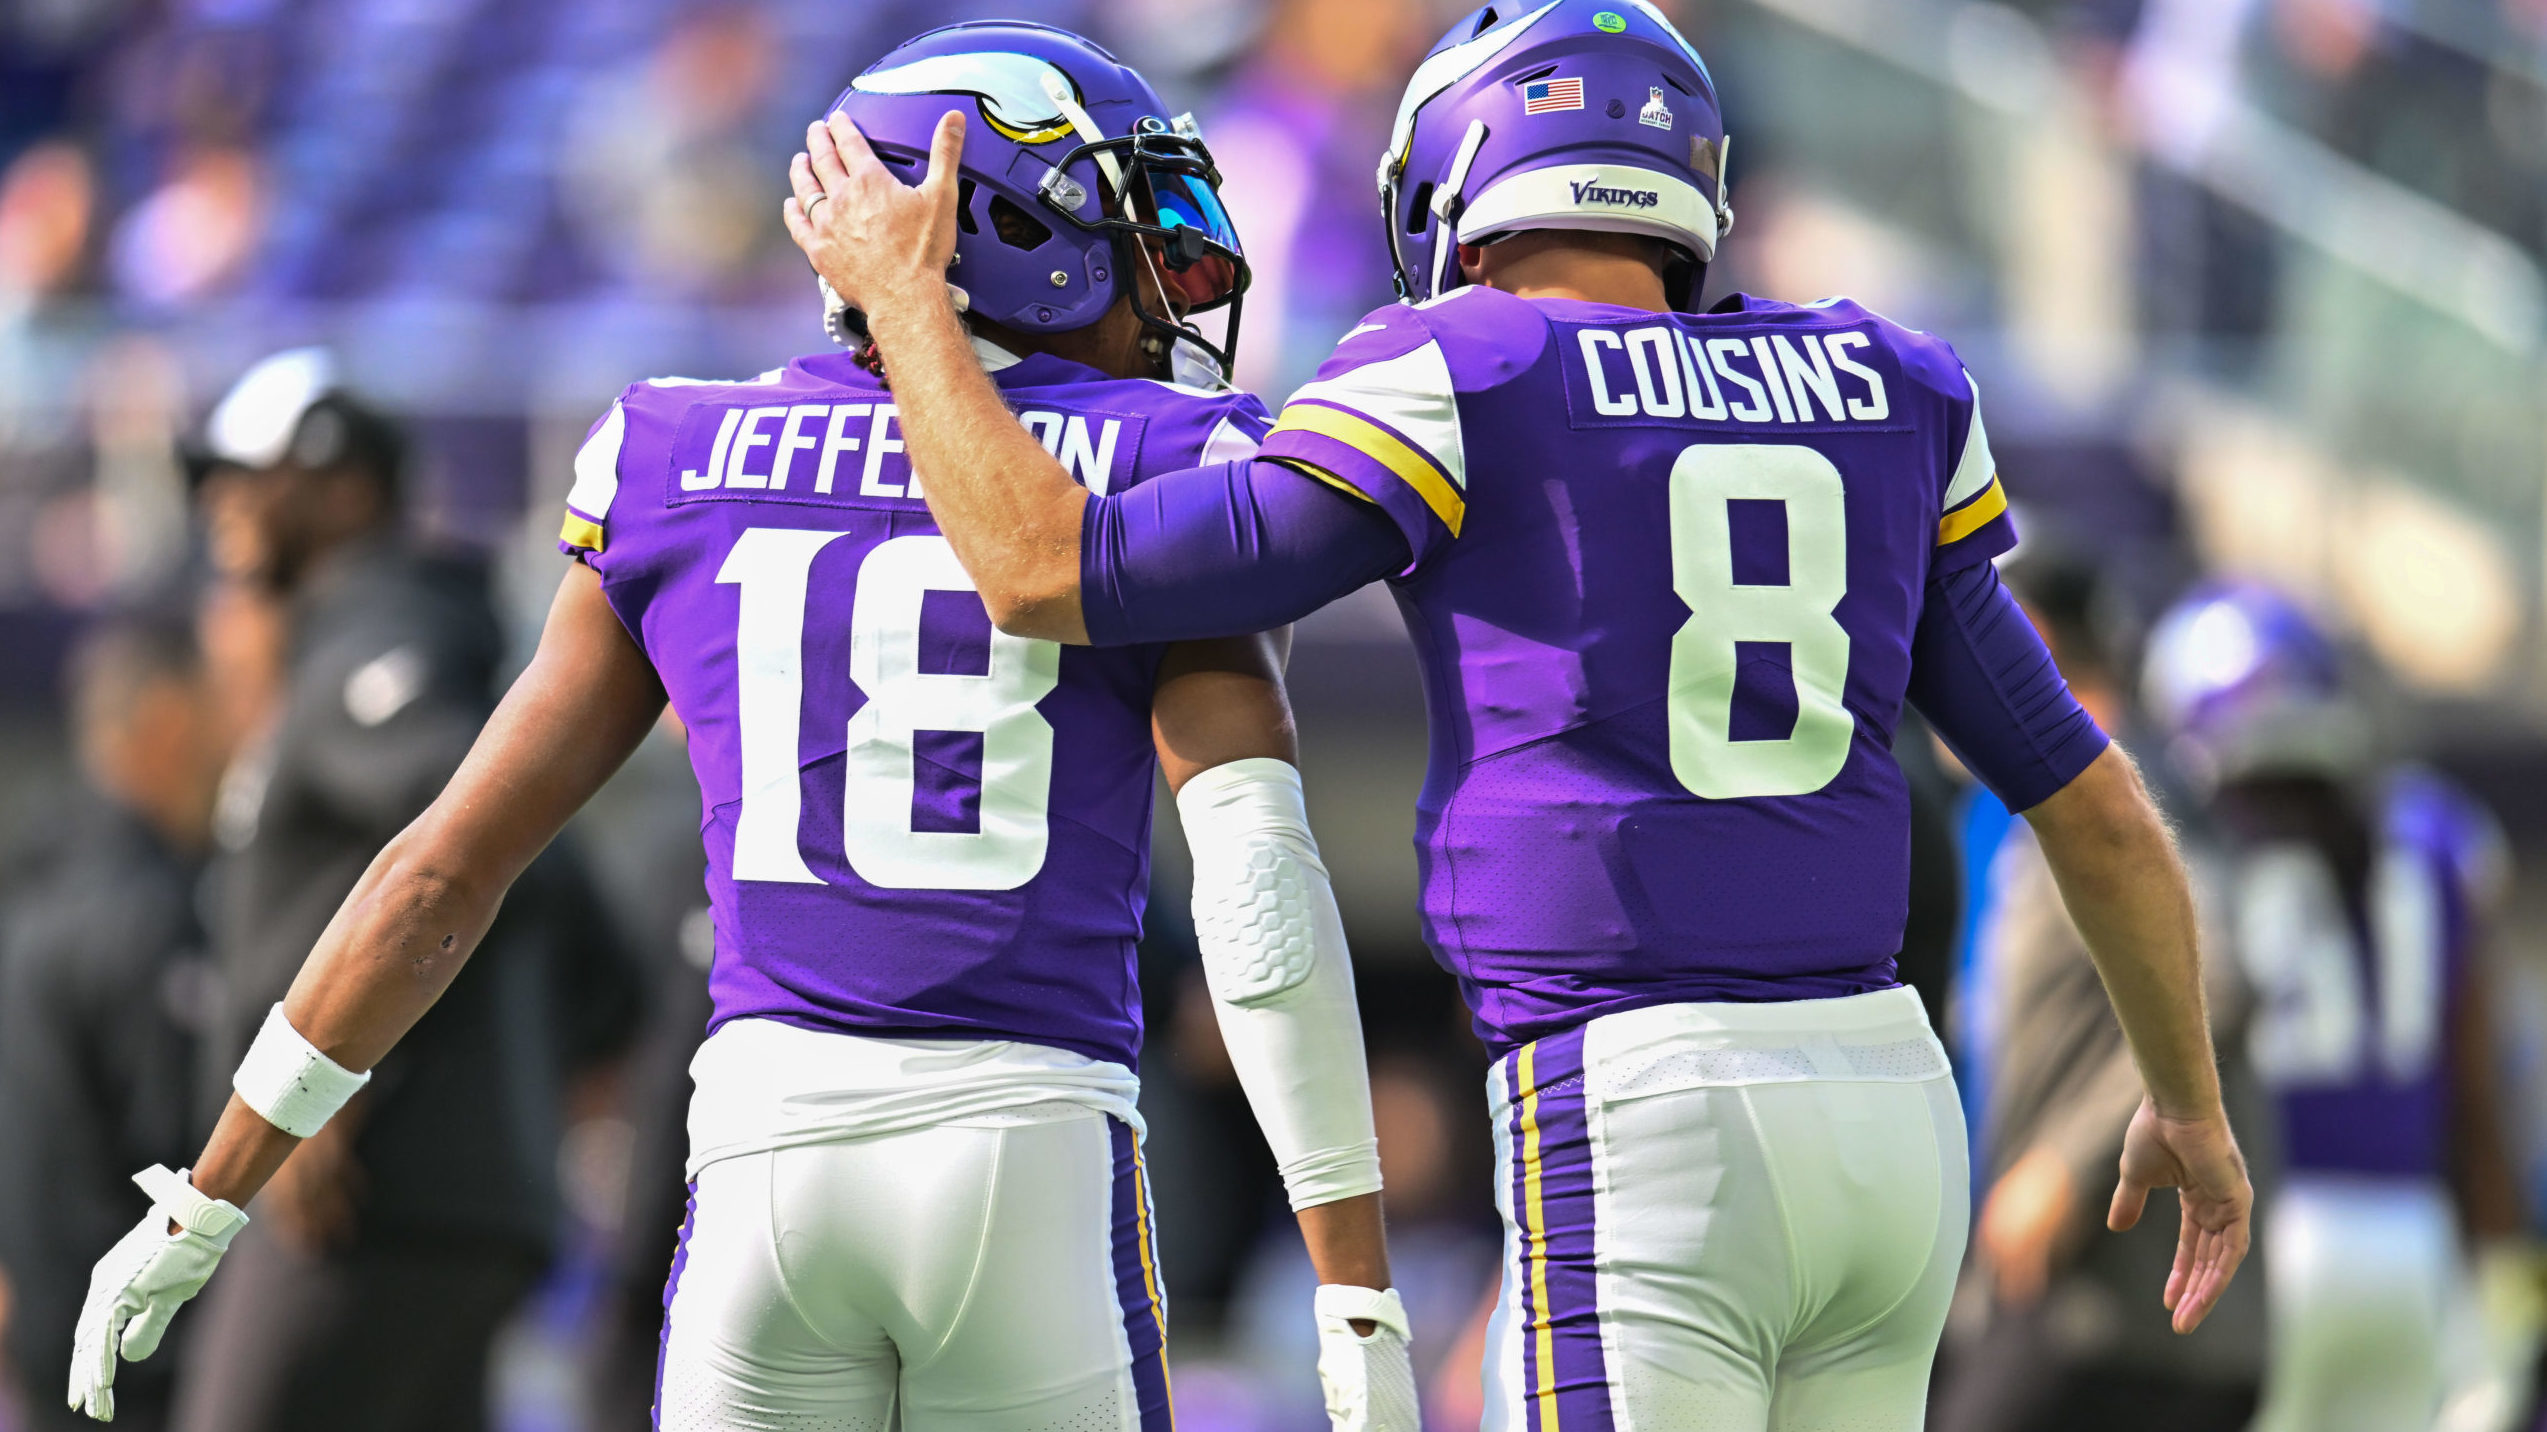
1565 1377
672 1285
1136 1283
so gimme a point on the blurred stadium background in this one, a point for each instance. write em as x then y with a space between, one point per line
2253 286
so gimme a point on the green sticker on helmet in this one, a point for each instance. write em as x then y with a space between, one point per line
1610 20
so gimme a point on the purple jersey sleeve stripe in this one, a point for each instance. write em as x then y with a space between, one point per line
1982 676
1380 444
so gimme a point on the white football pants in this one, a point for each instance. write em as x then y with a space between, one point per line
1726 1218
2360 1276
987 1276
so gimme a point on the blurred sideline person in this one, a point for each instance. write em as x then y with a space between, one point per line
2357 893
1668 615
385 1261
101 978
2064 1337
917 1195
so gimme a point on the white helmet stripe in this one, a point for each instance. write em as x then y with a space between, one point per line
1440 72
1012 87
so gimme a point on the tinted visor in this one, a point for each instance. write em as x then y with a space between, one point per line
1200 245
1188 201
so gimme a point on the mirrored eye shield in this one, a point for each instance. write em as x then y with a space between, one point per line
1178 183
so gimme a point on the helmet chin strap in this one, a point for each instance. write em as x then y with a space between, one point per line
1164 339
1446 205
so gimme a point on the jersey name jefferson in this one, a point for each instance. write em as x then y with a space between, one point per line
821 446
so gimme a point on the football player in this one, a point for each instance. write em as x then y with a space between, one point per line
2356 896
1671 576
917 1185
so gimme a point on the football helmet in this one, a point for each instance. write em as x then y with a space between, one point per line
1072 175
2247 684
1573 114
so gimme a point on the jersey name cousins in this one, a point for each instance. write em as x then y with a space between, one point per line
915 825
1667 572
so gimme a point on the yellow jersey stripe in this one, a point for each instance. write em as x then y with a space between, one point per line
581 532
1383 447
1535 1226
1972 516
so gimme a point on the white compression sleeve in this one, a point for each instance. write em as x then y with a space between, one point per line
1280 976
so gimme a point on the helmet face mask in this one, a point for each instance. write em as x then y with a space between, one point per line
1578 114
1074 183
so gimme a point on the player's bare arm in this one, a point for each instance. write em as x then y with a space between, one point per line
2119 874
573 717
1009 509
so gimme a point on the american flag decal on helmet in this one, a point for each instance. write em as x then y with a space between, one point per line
1549 96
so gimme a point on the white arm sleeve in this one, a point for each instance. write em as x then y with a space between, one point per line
1280 976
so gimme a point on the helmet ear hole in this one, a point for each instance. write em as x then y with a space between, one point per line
1015 227
964 220
1419 206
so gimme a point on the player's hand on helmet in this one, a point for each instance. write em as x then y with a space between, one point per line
2199 1158
876 240
1369 1378
138 1286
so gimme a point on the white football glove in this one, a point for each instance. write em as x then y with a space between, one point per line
142 1281
1370 1383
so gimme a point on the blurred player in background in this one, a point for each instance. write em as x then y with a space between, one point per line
1671 577
101 980
2064 1335
917 1192
2357 896
388 1256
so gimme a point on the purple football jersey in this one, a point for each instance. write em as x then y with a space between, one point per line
1666 571
2354 1005
915 825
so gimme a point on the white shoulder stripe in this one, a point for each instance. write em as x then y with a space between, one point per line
772 376
1411 393
597 467
1976 469
1228 443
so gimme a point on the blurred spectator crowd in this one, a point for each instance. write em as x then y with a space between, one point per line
2255 287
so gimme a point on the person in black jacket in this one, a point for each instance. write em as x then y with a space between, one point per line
101 969
370 1287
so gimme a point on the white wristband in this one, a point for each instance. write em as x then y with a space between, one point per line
287 1080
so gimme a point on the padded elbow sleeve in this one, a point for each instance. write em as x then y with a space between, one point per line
1281 978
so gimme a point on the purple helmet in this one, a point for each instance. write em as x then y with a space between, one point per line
2247 684
1578 114
1071 171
